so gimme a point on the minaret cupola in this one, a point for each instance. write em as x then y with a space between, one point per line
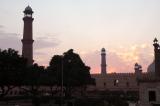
28 12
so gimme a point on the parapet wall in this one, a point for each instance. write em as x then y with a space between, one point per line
116 81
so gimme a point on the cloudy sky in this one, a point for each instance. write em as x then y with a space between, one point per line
125 28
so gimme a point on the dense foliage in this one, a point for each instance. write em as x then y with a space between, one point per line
14 72
74 72
12 68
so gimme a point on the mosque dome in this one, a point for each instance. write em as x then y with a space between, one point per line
151 67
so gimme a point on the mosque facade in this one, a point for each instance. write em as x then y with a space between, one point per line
104 80
115 81
146 84
149 89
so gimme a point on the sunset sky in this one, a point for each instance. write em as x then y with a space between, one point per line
125 28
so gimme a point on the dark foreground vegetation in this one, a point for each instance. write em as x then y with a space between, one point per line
66 72
66 79
83 101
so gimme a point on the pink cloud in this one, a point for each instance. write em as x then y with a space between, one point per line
121 59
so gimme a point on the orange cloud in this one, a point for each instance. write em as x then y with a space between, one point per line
118 60
121 59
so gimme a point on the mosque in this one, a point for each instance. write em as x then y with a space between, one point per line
119 81
104 81
115 81
146 84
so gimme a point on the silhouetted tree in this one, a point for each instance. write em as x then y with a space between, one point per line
75 72
50 80
32 82
12 66
32 79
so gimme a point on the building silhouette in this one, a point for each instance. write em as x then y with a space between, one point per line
27 41
149 89
103 61
115 81
146 84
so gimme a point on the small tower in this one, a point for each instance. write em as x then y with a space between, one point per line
138 70
27 41
157 57
103 61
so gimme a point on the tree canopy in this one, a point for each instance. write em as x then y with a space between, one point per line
14 71
12 68
75 72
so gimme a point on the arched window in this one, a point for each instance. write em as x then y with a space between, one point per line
116 82
152 96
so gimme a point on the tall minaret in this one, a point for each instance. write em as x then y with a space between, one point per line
27 41
157 57
103 61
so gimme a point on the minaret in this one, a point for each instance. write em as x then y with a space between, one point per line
138 70
27 41
157 57
103 61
